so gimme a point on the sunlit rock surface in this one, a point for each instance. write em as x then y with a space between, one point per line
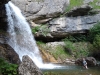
27 67
71 25
36 10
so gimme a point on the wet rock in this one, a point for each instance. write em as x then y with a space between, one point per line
91 61
27 67
64 26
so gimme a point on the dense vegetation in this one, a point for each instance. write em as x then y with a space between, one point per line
7 68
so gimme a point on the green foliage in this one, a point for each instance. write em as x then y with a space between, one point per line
94 5
96 42
76 38
95 30
43 29
59 52
7 68
78 49
77 3
94 38
40 42
35 29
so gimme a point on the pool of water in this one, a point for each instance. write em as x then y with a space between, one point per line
72 70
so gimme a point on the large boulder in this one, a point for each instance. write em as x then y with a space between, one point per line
36 10
27 67
7 52
91 61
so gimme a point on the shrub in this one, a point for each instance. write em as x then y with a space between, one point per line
43 29
95 30
96 42
78 49
35 29
8 68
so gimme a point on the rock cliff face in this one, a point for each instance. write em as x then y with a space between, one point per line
36 10
44 11
70 25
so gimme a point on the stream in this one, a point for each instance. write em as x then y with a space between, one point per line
72 70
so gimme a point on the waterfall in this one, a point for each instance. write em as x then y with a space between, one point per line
20 36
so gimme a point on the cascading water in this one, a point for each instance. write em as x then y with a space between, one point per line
21 38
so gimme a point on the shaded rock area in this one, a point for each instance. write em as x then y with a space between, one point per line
27 67
3 17
2 2
79 11
9 54
91 61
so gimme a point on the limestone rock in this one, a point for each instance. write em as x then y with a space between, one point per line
61 27
91 61
41 9
27 67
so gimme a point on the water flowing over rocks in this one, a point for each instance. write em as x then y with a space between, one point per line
6 51
27 67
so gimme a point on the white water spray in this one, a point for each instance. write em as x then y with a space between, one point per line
21 38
